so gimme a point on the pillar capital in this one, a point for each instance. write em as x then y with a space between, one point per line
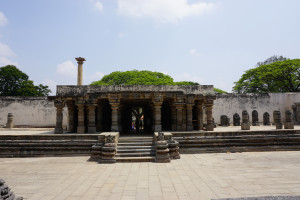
59 103
80 60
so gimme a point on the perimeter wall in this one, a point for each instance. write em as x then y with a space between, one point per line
40 112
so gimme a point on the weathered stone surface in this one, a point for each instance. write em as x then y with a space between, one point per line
224 120
245 121
162 151
255 118
236 119
10 119
86 89
289 124
266 117
6 193
277 119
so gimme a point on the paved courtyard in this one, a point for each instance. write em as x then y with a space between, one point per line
194 176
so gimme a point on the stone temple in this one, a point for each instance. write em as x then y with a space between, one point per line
109 108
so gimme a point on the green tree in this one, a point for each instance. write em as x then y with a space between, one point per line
279 76
135 77
14 82
143 77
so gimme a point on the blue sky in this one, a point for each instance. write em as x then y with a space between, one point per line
210 42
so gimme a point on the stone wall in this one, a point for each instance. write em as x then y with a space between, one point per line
40 112
28 111
229 104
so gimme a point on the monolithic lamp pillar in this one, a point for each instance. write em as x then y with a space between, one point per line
79 75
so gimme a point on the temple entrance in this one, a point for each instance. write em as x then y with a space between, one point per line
136 118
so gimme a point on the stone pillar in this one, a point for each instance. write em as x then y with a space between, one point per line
59 104
71 112
210 124
81 126
79 75
288 120
10 119
277 119
114 117
179 108
245 121
99 118
157 116
173 118
189 112
91 118
200 115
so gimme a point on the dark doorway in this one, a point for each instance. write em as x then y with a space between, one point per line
136 118
166 120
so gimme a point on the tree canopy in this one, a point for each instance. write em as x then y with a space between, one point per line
278 76
143 77
14 82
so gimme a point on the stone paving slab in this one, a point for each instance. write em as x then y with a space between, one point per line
194 176
33 131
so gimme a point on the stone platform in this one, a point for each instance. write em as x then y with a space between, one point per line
194 176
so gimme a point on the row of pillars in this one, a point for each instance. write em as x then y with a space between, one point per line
177 118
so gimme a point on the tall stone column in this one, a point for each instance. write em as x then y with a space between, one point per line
79 75
59 104
200 115
173 118
189 112
157 116
71 113
114 117
91 118
209 106
80 127
99 118
179 108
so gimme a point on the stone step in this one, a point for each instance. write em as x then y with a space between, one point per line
134 141
149 150
135 147
136 144
136 159
142 154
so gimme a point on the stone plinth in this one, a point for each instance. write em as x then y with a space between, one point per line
288 120
162 151
277 119
109 150
6 193
10 119
245 121
173 149
96 153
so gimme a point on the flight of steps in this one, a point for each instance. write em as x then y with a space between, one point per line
135 149
46 145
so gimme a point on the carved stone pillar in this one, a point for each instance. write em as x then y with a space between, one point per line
114 117
80 127
91 118
157 116
200 115
59 104
209 105
79 75
179 108
173 118
99 118
71 113
189 114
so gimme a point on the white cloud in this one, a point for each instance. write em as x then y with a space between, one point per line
5 53
98 75
188 77
5 61
5 50
163 10
193 51
67 68
121 35
3 19
98 5
52 85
